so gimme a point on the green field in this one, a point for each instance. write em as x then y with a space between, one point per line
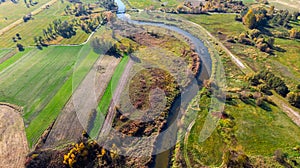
34 28
141 4
249 1
218 22
41 82
258 132
13 59
35 77
3 52
10 12
47 115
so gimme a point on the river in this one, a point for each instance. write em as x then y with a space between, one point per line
167 138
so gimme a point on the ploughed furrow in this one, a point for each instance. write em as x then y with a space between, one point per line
13 142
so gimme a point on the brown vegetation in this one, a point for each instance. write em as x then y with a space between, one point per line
13 142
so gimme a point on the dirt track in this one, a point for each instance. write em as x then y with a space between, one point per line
116 96
290 3
13 142
74 117
290 112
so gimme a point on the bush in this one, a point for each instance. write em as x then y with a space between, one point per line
295 34
20 47
254 33
294 99
270 82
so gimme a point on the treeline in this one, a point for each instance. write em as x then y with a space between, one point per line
259 21
84 153
79 9
67 29
266 81
102 46
222 6
108 4
57 28
260 17
255 38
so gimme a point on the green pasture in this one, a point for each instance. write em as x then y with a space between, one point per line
218 22
10 12
46 116
286 64
34 28
141 4
259 132
3 52
35 77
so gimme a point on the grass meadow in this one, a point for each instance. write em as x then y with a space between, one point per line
32 80
259 132
41 81
10 12
32 28
49 113
141 4
286 64
3 52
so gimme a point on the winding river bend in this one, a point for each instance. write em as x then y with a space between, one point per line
163 148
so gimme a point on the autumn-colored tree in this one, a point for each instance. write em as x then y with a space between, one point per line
249 19
294 33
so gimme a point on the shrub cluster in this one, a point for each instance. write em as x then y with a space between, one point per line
266 80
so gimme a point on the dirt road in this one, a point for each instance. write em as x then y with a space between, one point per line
295 4
74 117
13 142
116 97
290 112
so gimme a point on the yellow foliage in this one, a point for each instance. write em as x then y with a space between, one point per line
66 157
103 152
81 146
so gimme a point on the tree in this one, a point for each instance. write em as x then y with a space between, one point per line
14 39
20 47
294 99
271 42
249 19
101 46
